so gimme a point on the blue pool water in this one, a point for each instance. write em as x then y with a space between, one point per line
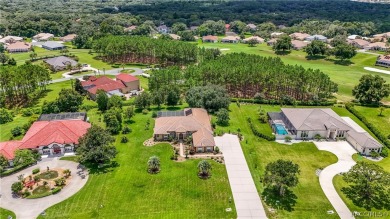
280 130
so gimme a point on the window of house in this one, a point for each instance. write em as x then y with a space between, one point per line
209 149
340 134
304 134
200 149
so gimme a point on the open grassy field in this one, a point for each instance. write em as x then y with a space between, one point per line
372 115
346 76
311 201
128 191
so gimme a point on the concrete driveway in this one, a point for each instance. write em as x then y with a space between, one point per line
344 151
246 197
31 208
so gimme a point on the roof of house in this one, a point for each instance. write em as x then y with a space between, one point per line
8 148
126 77
10 38
382 35
272 40
360 42
277 33
43 36
52 44
210 37
259 39
175 36
314 119
194 120
43 133
19 45
377 44
102 83
300 36
384 58
316 37
364 139
231 38
131 28
227 26
252 26
69 37
352 37
299 44
60 61
63 116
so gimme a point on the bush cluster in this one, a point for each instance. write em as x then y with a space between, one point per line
35 171
259 134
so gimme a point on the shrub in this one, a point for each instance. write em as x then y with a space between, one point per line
145 111
216 149
287 139
17 131
374 154
154 114
5 116
60 181
56 190
259 134
126 130
384 152
26 194
16 187
124 139
317 137
37 110
35 171
27 112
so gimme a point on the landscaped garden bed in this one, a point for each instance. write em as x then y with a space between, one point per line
41 183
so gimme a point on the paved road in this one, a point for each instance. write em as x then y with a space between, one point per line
344 151
246 197
31 208
115 71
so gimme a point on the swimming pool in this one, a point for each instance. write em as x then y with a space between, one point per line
280 130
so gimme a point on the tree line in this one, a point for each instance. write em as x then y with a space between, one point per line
136 49
20 84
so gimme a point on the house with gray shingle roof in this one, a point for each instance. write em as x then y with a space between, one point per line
316 37
60 63
306 123
52 45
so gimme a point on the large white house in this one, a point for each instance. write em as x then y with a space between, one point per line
306 123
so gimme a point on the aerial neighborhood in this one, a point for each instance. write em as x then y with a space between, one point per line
147 109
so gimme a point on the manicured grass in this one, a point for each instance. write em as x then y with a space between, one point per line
4 213
5 129
128 191
69 158
311 201
41 190
144 83
345 76
51 174
372 115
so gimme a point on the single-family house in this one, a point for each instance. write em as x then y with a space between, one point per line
276 34
11 39
52 45
306 123
210 39
175 36
383 60
68 38
230 39
298 44
229 33
19 47
60 63
130 28
299 36
382 35
56 136
252 27
180 125
43 36
381 46
353 37
256 38
271 42
227 27
317 37
132 83
359 43
163 29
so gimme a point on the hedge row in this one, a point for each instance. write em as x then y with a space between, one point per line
15 169
369 125
277 102
39 195
259 134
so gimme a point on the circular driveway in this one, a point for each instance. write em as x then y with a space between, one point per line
31 208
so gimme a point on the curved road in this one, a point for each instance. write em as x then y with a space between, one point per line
31 208
115 71
344 151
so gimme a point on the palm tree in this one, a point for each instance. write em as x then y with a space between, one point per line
79 66
204 169
67 173
154 164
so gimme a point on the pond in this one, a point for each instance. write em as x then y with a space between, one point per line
51 174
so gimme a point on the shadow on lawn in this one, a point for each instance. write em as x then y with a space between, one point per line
316 57
102 168
344 62
272 198
282 53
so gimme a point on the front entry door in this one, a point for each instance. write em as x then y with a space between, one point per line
56 149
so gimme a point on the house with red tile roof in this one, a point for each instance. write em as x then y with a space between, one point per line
193 122
210 39
123 83
48 137
19 47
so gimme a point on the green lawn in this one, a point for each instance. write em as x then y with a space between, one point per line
5 213
5 129
128 191
372 115
311 201
346 76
